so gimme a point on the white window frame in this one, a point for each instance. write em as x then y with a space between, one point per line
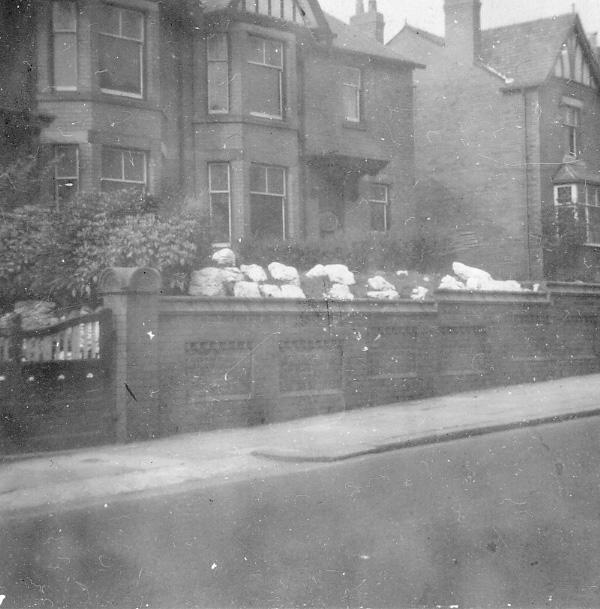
212 191
283 196
572 122
273 8
218 60
382 202
279 68
356 88
141 47
59 177
73 33
124 152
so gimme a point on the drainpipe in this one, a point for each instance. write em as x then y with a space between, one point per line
526 170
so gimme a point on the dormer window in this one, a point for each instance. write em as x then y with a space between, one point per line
288 10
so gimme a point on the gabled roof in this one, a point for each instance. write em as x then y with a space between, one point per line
576 171
523 53
526 52
348 38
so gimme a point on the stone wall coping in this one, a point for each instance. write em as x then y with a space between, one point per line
491 298
566 288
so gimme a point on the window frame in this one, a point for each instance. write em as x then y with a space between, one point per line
215 61
265 65
381 202
212 191
74 34
356 88
283 196
142 49
60 178
572 123
131 183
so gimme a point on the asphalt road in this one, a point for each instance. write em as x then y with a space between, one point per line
509 519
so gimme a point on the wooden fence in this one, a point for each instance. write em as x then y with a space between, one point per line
55 384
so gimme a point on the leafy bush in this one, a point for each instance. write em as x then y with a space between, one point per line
58 254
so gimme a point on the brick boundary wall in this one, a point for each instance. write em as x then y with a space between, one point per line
184 364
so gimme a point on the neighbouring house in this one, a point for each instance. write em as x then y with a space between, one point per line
274 118
508 141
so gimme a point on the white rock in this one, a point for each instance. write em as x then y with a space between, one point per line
254 272
383 295
536 287
207 282
451 283
339 273
292 291
246 289
317 271
402 273
231 274
502 286
283 273
224 257
378 283
270 291
339 291
464 272
419 293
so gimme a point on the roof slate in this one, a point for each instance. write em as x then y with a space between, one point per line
526 52
348 38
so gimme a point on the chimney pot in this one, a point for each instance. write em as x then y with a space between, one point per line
360 7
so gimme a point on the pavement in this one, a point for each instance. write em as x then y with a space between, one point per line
67 480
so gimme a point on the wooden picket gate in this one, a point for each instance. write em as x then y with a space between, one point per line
55 385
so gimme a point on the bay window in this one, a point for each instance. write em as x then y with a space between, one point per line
219 187
123 169
265 77
66 172
121 51
64 45
268 201
217 53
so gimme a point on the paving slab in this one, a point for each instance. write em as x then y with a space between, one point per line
53 481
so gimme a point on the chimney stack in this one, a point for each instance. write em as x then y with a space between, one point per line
463 30
370 23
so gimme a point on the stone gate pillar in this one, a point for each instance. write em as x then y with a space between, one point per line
132 294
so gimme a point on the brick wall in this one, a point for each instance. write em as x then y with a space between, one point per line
212 363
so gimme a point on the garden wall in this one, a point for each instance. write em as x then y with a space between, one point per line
186 364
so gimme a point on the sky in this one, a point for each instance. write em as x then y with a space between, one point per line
429 14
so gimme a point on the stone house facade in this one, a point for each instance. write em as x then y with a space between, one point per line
508 140
273 118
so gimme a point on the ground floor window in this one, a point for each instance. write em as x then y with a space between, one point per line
66 172
219 187
267 201
581 201
122 168
379 207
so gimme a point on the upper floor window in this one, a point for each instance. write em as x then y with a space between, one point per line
64 45
267 201
281 9
66 172
265 77
351 83
219 187
217 53
572 119
379 207
121 51
122 168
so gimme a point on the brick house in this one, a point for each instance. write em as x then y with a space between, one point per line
507 135
273 117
